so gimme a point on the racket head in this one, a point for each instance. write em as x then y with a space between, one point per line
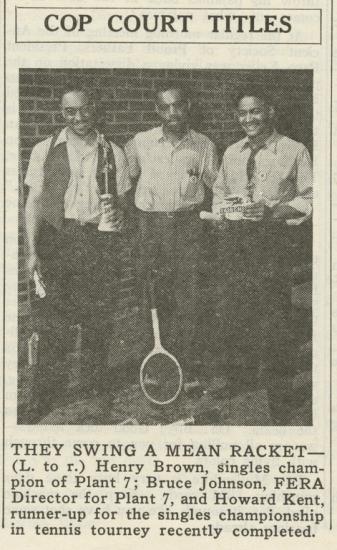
161 377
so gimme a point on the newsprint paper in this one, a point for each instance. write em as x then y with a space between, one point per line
168 214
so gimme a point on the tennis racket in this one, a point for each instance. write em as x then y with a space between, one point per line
161 377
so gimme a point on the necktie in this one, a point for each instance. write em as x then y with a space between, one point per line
251 169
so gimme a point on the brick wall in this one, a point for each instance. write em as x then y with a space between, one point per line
127 96
127 99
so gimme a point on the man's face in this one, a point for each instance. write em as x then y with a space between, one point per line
173 110
79 113
255 116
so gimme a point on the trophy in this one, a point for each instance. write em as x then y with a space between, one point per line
107 223
232 208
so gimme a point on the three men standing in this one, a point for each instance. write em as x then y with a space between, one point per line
173 166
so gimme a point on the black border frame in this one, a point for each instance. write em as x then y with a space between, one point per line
155 41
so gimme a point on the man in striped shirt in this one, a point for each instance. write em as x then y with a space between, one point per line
172 165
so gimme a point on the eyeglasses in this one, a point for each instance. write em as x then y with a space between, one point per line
84 111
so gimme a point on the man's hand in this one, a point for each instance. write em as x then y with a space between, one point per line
217 220
116 218
112 215
33 264
285 212
255 211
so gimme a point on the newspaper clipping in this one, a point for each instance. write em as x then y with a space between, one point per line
168 274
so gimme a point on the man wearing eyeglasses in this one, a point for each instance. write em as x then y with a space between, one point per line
68 175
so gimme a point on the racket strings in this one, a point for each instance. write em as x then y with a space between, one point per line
161 377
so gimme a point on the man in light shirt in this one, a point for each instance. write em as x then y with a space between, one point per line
67 173
272 175
173 166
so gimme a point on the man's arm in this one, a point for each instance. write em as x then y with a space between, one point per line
132 158
131 154
33 224
220 187
33 212
122 178
301 205
211 165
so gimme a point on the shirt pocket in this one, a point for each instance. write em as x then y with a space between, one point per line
287 183
191 177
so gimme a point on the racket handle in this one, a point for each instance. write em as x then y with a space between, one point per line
155 327
210 216
151 290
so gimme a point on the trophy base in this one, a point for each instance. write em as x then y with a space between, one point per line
107 227
105 224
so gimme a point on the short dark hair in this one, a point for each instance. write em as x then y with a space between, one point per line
172 85
253 91
77 86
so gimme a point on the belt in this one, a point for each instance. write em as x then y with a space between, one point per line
70 222
171 215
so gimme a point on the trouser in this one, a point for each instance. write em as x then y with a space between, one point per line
254 300
80 270
169 250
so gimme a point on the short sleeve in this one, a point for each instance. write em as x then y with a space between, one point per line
35 173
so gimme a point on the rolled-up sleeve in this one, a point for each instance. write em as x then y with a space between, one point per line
122 171
304 180
132 158
211 165
35 173
220 187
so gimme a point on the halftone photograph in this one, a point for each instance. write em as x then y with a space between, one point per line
165 247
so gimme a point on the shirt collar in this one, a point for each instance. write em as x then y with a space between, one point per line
63 136
270 142
160 136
